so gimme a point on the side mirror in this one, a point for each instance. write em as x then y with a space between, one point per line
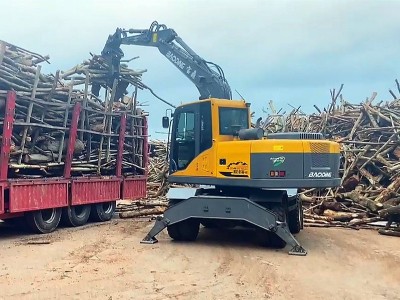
165 122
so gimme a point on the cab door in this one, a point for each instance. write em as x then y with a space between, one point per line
191 134
184 138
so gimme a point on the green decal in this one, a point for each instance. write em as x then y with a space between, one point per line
277 161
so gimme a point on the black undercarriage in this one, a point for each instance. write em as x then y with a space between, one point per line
274 214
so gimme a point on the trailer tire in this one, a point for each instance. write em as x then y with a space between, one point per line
76 215
18 223
295 218
104 211
43 221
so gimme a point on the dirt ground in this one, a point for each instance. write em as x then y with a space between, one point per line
108 262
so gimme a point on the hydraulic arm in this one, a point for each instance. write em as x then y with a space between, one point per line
208 77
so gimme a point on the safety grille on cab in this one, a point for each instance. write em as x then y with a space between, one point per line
319 155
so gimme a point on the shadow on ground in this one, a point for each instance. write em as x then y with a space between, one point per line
237 237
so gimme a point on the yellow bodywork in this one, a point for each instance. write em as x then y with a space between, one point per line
237 152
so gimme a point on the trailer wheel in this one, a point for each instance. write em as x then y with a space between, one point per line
76 215
102 212
18 223
44 221
295 219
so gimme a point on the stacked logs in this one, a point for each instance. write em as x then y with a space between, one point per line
157 186
43 113
158 170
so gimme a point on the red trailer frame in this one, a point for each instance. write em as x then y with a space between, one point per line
18 196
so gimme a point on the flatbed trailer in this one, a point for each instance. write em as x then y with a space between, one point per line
44 202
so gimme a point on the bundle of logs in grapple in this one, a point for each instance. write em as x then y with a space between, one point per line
44 110
370 164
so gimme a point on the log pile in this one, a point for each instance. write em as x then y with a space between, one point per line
141 208
157 186
44 109
158 170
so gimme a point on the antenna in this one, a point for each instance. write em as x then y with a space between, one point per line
239 94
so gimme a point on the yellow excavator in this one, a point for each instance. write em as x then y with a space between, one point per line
236 174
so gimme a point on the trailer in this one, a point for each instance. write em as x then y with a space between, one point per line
44 203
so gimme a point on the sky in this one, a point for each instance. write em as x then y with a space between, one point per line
290 52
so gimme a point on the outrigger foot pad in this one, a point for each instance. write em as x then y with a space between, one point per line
149 240
298 250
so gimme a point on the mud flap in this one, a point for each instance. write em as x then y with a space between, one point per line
228 208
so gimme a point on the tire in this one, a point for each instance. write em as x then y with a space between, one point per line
295 219
262 237
104 211
187 230
277 242
19 223
173 232
76 215
44 221
269 239
208 224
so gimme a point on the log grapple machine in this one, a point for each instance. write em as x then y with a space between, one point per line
237 174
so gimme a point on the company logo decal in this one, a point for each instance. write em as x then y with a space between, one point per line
319 174
277 161
237 169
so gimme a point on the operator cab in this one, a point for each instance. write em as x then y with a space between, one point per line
198 124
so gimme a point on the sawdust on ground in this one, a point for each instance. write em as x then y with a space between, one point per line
108 262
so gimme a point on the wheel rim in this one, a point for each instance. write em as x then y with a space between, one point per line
48 215
107 207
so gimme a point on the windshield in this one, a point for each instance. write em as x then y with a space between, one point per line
232 119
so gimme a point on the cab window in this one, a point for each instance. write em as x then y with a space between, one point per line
232 119
185 147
